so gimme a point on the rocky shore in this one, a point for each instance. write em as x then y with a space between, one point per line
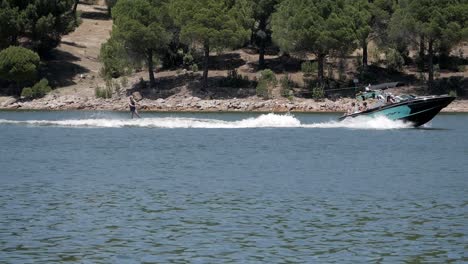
191 104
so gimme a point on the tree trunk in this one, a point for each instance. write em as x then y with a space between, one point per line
364 53
206 59
261 55
321 61
150 68
261 49
75 6
431 63
422 50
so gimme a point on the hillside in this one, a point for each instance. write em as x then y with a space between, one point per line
73 68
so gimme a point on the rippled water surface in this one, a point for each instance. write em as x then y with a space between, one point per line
90 187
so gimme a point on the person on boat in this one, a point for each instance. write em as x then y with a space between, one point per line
390 99
364 106
352 109
132 105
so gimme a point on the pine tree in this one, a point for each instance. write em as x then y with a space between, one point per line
208 24
434 24
318 27
141 25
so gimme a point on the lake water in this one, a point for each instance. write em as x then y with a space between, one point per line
97 187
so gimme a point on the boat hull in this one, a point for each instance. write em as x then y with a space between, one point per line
417 111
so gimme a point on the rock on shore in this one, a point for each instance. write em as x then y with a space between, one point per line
192 104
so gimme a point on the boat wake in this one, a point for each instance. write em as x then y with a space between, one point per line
262 121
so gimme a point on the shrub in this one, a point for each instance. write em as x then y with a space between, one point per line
188 59
395 61
194 67
262 90
268 76
27 93
235 80
103 92
19 65
286 86
39 89
266 82
318 93
114 59
309 68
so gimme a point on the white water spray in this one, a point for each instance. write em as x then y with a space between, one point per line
262 121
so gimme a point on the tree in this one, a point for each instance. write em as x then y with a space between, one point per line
19 65
260 12
40 23
10 24
362 18
141 26
209 24
110 4
435 24
318 27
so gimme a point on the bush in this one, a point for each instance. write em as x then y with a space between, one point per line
262 90
268 76
188 59
286 87
114 59
194 67
27 93
318 93
19 65
103 92
309 68
266 82
395 61
234 80
39 89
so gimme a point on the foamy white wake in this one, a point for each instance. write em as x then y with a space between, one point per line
263 121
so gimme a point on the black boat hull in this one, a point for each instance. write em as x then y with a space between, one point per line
416 111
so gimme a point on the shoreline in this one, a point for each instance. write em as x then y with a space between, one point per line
195 105
190 104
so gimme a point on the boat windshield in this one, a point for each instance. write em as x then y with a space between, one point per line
405 97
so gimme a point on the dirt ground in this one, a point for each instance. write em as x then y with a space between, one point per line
73 68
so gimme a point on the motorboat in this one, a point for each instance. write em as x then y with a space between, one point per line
416 110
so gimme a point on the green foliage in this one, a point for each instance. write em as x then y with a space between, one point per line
263 90
268 76
266 82
19 65
208 24
188 59
142 26
394 60
319 27
104 93
453 85
110 4
114 59
10 24
27 93
39 23
286 87
318 93
39 90
434 25
194 67
309 68
235 80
